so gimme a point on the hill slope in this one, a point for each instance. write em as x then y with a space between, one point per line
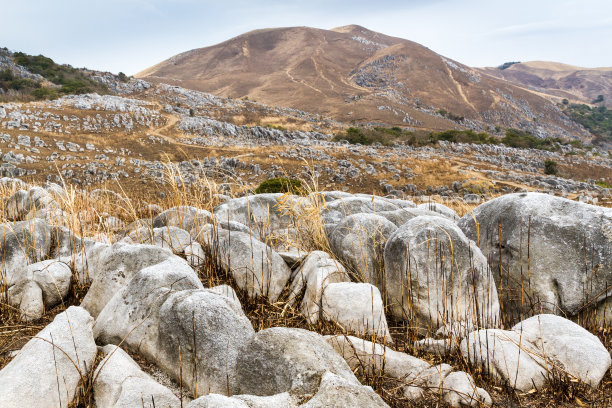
357 75
577 84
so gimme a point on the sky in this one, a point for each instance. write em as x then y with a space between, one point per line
131 35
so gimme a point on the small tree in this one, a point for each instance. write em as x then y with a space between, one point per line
550 167
191 112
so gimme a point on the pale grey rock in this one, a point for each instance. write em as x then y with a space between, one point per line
23 242
217 401
227 291
173 238
335 211
376 359
44 285
132 313
184 217
568 346
569 246
440 209
461 391
255 267
505 355
195 255
337 392
63 351
120 383
259 212
280 359
112 267
436 277
357 307
359 241
221 332
316 272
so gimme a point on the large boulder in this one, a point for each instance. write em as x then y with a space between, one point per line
335 211
217 326
436 278
22 203
113 267
280 359
184 217
336 392
132 314
547 253
49 368
44 285
173 238
440 209
317 271
120 383
261 212
375 359
255 267
536 348
164 309
23 243
357 307
359 241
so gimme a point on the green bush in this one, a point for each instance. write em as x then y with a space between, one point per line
45 93
6 75
597 120
550 167
280 185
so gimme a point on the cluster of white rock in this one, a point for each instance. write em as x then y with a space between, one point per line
425 262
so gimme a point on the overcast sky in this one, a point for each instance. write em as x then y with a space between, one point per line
131 35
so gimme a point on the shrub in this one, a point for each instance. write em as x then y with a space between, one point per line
280 185
191 112
45 93
122 77
550 167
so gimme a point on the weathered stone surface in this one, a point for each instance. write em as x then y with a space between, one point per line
173 238
336 392
195 255
281 360
45 283
437 278
62 352
498 352
22 243
260 212
556 251
335 211
120 383
221 330
132 314
362 355
440 209
316 272
255 267
359 241
113 267
184 217
526 355
357 307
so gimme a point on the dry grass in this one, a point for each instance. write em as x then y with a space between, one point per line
85 216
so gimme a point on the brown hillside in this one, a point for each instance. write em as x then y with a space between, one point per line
357 75
559 80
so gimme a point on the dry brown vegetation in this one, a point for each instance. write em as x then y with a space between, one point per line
561 392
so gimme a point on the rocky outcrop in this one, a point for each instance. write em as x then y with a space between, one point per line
437 278
554 254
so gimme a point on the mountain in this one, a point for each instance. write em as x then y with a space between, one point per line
359 76
561 81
